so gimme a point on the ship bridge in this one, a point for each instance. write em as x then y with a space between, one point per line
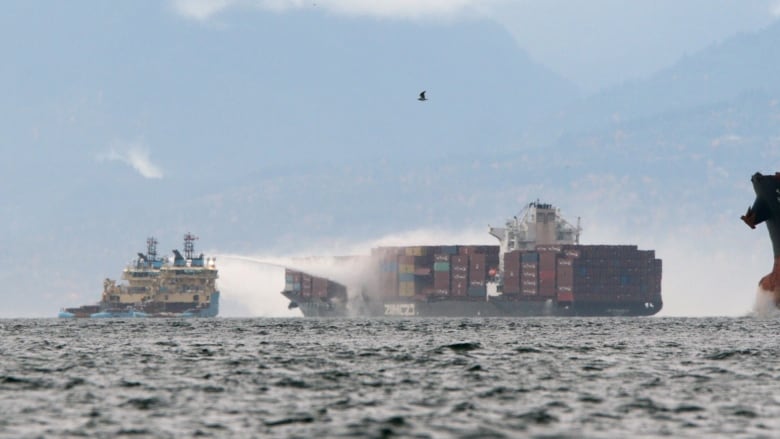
537 224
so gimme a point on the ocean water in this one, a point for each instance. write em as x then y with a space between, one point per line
422 378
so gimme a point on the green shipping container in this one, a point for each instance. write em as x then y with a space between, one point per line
441 266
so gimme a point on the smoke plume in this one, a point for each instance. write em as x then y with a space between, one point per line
136 156
251 285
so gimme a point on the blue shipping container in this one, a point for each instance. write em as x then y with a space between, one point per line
477 291
530 257
406 277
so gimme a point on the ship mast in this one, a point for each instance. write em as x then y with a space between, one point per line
189 245
151 249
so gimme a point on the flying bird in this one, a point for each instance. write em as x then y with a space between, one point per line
422 96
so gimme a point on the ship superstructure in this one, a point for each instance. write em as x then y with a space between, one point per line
539 268
538 224
184 285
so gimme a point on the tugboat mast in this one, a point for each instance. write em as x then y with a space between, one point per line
189 245
151 249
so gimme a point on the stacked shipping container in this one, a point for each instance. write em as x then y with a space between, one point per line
583 273
564 282
441 274
547 267
483 262
511 274
386 271
423 272
565 274
311 287
529 274
607 273
460 275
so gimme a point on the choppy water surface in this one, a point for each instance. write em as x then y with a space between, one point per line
635 377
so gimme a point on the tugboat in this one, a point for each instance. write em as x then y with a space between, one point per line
159 287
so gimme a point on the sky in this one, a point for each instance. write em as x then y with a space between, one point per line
265 125
593 43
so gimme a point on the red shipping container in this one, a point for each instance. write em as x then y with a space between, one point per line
319 287
406 259
458 289
460 275
306 285
529 285
511 274
477 270
441 280
388 284
459 260
547 276
511 287
512 258
529 278
565 296
460 272
547 283
477 262
479 249
565 277
547 261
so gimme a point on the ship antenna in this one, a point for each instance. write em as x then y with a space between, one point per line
151 248
189 246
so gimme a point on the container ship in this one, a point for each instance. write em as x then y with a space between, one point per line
181 286
766 209
539 268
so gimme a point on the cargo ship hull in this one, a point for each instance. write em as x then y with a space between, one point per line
766 209
462 308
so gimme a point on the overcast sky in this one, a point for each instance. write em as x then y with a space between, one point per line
593 43
122 119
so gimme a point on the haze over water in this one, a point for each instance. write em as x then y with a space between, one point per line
292 377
